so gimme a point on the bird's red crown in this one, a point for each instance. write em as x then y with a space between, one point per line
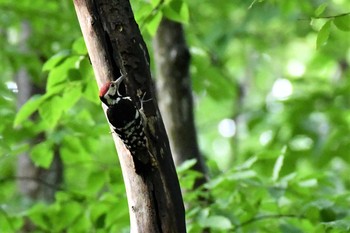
104 89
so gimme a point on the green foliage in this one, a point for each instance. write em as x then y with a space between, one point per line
243 200
285 169
150 13
342 22
92 198
176 10
42 154
323 34
294 147
320 9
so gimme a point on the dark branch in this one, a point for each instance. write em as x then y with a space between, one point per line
326 17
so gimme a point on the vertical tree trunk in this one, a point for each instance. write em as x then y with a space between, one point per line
115 46
172 59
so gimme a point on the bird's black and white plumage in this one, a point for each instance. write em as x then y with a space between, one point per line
126 119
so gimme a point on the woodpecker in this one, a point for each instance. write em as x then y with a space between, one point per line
126 120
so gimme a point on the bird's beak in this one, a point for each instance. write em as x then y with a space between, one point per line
118 82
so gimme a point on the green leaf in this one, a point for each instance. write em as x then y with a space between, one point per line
154 3
308 183
342 22
98 211
85 69
320 9
323 34
247 164
56 90
56 76
341 225
312 213
328 214
66 215
100 221
184 13
79 46
277 192
71 95
74 74
72 150
153 24
42 154
186 165
59 74
89 86
28 109
62 196
177 11
188 178
9 223
95 181
278 165
242 175
81 224
37 215
213 183
55 60
51 110
143 13
217 222
91 92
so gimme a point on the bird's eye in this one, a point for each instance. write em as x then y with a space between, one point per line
112 85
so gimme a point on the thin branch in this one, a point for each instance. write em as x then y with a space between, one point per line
38 180
72 193
332 16
326 17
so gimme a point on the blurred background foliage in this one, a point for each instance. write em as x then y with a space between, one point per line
271 83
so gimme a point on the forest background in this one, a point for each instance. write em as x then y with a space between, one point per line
270 81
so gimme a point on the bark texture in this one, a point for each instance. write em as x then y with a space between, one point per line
115 46
174 89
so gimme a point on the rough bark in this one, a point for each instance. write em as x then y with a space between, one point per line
172 59
115 46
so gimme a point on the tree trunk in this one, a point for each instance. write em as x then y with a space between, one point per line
115 46
172 59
